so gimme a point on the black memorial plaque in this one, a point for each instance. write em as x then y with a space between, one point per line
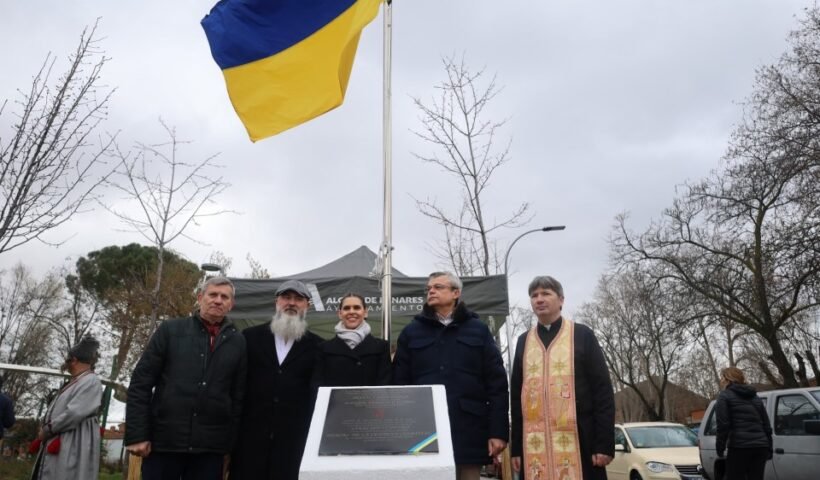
379 421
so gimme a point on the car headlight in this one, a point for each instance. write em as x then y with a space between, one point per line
658 467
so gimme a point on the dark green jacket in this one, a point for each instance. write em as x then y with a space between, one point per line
182 396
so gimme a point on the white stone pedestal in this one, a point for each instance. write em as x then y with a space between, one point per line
423 466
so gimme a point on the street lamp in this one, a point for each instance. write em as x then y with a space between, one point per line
507 278
211 267
509 249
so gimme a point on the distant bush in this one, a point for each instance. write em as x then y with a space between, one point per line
21 434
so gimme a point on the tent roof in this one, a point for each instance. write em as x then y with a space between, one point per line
358 263
255 304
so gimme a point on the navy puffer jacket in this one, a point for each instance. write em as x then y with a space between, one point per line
741 419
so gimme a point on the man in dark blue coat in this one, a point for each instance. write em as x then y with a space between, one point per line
448 345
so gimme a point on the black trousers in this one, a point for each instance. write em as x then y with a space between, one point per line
746 463
182 466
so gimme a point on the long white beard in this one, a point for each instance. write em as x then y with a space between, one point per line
287 326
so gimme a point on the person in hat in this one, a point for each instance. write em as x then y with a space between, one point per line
68 444
185 397
279 400
353 357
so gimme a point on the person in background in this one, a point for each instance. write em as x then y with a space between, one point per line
69 439
743 423
6 413
353 357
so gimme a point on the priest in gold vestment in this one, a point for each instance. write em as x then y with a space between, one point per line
563 407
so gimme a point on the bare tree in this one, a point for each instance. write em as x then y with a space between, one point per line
747 238
49 162
465 146
223 261
639 325
80 315
257 270
170 194
26 335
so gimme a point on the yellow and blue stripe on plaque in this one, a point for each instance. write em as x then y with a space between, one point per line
285 61
423 445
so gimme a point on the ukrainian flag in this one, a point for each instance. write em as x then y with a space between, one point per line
285 61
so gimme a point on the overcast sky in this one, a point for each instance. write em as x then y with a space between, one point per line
610 104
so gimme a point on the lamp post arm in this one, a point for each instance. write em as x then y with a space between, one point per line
509 249
507 279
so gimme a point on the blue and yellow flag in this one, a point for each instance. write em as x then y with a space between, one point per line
285 61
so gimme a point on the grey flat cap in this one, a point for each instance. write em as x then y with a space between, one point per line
294 286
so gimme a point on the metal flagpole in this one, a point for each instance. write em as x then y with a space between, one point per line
387 244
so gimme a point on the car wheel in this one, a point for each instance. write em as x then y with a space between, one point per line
635 476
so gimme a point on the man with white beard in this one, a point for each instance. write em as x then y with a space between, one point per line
278 397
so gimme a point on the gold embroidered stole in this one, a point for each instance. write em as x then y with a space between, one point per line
551 449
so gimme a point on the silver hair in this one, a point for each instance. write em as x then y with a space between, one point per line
216 282
454 281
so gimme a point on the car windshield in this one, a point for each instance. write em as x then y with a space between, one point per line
816 395
661 437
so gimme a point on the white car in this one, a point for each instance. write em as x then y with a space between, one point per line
654 450
795 417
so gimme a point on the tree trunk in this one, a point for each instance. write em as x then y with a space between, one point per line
781 361
801 370
768 373
122 352
157 285
813 363
709 355
730 342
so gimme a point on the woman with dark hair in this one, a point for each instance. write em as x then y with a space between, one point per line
69 439
743 423
353 357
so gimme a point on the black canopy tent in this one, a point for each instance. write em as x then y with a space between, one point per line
255 302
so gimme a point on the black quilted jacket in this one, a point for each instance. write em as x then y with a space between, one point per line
741 419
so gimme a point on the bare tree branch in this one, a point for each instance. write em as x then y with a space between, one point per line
170 194
464 140
50 168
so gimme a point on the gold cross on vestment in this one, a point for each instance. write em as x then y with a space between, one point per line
535 443
558 367
563 441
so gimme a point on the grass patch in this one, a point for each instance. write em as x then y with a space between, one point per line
13 469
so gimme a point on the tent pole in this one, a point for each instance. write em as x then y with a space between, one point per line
387 245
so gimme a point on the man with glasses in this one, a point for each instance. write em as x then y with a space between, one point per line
447 344
279 398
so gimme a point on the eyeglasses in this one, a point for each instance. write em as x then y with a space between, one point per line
438 287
